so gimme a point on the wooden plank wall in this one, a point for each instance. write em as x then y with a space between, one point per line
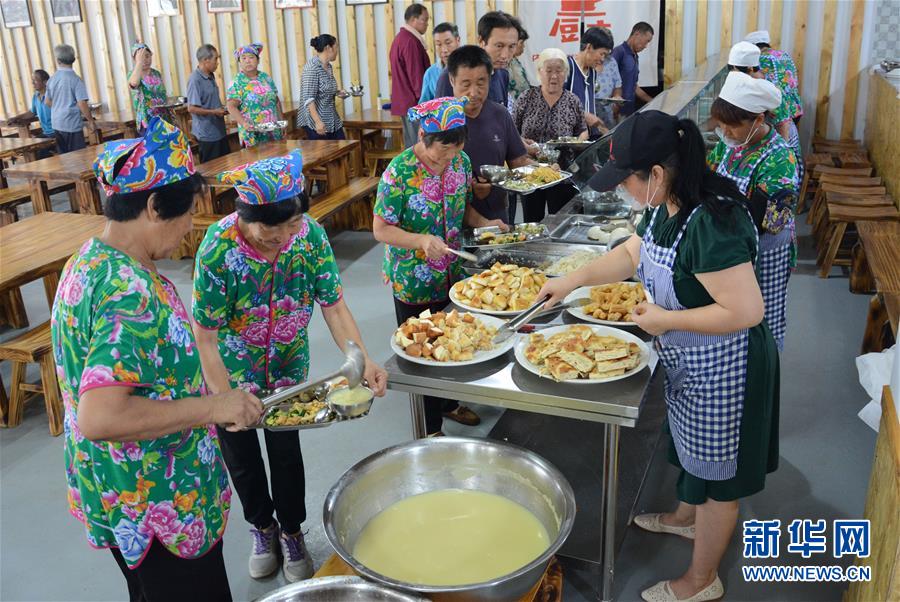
108 27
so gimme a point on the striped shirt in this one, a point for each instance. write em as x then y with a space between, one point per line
317 85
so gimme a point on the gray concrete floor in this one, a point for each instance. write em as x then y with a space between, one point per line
826 454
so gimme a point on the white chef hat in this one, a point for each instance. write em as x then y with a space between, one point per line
751 94
758 37
744 54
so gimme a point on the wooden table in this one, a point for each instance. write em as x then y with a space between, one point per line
881 241
117 120
28 148
333 155
39 246
355 125
76 166
21 129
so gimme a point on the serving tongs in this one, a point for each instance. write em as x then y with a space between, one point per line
352 369
510 328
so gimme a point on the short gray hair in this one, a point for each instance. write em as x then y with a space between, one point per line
552 54
64 54
207 51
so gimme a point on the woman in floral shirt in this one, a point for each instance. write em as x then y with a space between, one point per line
260 272
423 199
147 88
253 98
758 160
145 475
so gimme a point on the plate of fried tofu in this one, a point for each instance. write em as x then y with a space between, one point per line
582 353
610 304
502 290
449 338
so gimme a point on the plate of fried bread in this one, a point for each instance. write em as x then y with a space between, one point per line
449 338
503 290
610 304
582 353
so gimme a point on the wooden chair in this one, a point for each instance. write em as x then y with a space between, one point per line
847 185
32 347
820 219
811 178
839 218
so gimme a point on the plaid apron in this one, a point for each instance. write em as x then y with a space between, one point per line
775 253
705 374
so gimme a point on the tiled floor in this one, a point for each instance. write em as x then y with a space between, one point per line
826 454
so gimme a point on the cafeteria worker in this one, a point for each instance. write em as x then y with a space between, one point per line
259 273
762 165
144 471
694 251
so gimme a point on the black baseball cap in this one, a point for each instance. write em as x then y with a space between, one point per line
643 140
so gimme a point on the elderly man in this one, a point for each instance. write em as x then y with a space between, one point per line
626 56
409 61
205 106
67 98
446 40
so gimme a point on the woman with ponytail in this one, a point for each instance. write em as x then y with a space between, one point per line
318 116
694 251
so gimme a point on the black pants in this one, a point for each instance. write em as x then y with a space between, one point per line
434 406
69 141
248 474
513 202
338 134
213 150
549 200
164 577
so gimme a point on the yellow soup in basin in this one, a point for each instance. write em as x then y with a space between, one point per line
451 537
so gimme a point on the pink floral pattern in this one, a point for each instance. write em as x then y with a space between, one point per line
257 98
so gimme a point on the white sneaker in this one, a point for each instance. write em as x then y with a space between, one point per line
297 561
264 554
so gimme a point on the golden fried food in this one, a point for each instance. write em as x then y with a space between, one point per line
542 175
504 287
300 412
444 336
579 353
614 302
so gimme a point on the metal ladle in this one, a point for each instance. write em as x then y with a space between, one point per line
352 369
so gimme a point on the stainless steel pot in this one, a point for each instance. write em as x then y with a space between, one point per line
337 589
438 463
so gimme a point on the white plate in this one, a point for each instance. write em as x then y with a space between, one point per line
492 312
585 293
599 330
480 356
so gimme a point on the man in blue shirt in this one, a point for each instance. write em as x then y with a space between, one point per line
498 34
205 106
446 40
626 56
67 98
596 44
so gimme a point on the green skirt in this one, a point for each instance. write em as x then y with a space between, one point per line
758 447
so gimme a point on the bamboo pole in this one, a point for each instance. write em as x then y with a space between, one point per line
848 120
824 91
702 16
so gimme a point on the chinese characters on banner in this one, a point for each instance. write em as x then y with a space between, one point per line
559 23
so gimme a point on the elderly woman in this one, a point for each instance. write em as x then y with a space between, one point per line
544 113
318 116
253 98
753 155
260 273
145 475
694 251
423 201
147 87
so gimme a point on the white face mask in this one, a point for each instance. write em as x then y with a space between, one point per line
734 143
637 205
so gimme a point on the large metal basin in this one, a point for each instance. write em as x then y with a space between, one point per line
337 589
439 463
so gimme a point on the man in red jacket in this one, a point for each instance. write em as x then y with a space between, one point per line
409 60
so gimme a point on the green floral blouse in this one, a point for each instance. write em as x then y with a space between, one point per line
778 67
150 93
116 324
258 98
415 200
261 308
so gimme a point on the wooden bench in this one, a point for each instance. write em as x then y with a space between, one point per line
32 347
10 198
332 202
839 218
812 174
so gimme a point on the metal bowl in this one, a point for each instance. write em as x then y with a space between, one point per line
356 90
600 203
351 411
337 589
424 465
494 173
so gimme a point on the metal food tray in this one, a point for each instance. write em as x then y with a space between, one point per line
573 143
324 389
527 169
538 255
575 228
270 126
470 237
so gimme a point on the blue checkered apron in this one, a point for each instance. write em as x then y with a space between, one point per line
774 262
705 374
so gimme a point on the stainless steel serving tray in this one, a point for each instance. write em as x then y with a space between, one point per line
538 255
270 126
318 392
470 238
527 169
575 228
